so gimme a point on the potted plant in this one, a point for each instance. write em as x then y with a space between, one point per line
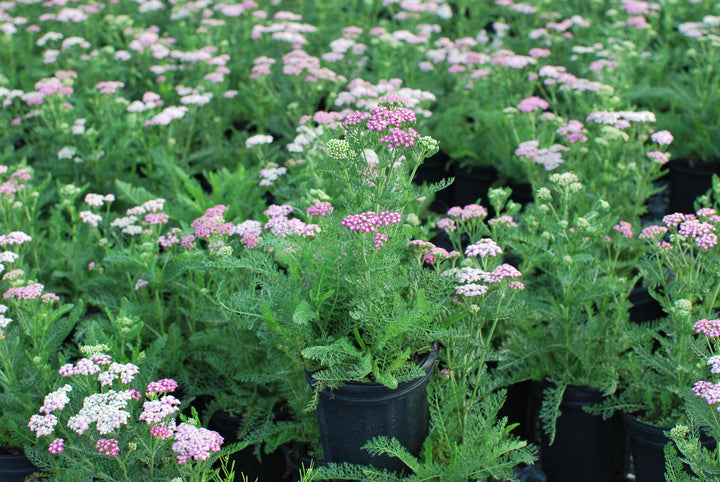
574 324
471 441
34 325
687 103
341 285
466 445
679 267
110 420
694 444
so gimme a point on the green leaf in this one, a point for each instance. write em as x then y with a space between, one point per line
550 411
303 313
133 194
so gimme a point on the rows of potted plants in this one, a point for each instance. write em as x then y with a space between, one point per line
225 255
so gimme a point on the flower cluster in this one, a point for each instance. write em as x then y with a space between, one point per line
550 157
111 410
709 328
281 226
321 209
369 222
391 117
697 230
195 443
431 254
484 247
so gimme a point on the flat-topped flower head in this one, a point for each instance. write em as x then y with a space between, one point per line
664 138
653 231
470 211
108 447
400 138
470 290
446 224
624 228
485 247
674 219
532 103
322 209
56 400
154 411
501 272
275 210
193 443
369 221
707 390
709 328
473 211
56 446
28 292
161 386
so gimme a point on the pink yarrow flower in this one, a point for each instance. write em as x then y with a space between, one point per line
707 390
483 248
624 228
56 446
154 411
56 400
42 424
664 138
321 209
369 222
653 231
193 443
108 447
161 386
470 290
532 103
709 328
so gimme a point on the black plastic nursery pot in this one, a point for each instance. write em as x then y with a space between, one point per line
270 466
586 447
15 468
687 181
644 306
435 169
518 409
296 462
356 412
473 182
647 446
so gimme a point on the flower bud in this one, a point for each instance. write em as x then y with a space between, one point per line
682 307
544 194
430 145
679 431
337 148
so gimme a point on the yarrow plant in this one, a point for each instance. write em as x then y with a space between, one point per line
102 420
339 281
34 324
681 253
577 294
702 403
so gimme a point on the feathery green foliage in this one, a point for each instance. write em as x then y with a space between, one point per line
574 328
351 300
